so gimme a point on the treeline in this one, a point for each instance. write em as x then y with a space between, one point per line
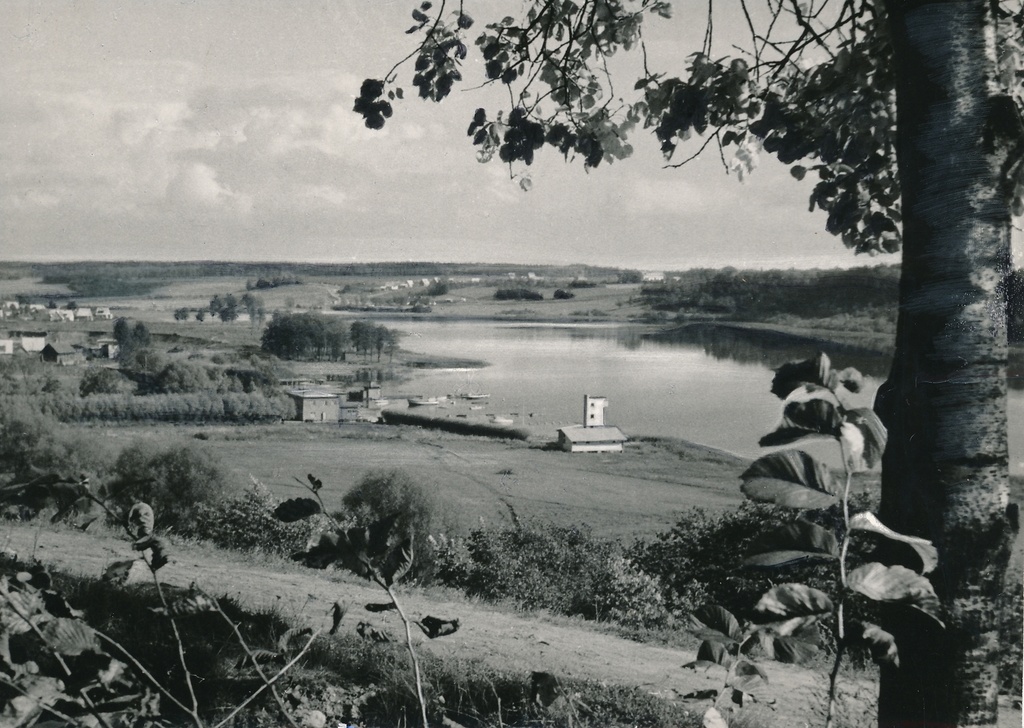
199 407
112 279
315 337
459 427
758 295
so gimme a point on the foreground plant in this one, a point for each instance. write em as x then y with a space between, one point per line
788 615
382 553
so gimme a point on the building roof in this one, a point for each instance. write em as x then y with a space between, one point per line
579 433
311 394
61 348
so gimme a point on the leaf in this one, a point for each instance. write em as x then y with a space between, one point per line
287 641
397 562
789 650
368 631
924 548
872 431
896 584
337 614
748 678
158 556
544 688
798 172
19 610
792 543
793 600
797 373
140 520
380 607
70 636
711 653
790 478
713 719
434 627
881 643
295 509
811 418
715 623
315 483
118 572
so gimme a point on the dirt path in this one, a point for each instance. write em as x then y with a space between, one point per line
510 641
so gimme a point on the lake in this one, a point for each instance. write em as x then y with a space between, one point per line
706 384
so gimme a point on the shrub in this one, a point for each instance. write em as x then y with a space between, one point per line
247 523
517 294
381 493
176 481
563 295
562 569
100 380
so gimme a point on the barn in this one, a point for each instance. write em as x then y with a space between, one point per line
578 438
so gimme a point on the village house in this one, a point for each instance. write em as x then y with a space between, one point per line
106 348
593 435
6 347
83 314
62 355
314 405
32 341
103 314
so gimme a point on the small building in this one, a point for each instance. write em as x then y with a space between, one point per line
6 347
314 405
61 354
62 314
577 438
107 348
593 435
83 314
103 314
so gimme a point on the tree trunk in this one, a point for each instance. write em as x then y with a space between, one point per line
945 470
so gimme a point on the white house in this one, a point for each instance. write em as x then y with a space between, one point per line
32 342
6 347
83 314
103 313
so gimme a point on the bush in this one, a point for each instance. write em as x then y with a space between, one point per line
247 523
176 481
561 294
562 569
100 380
517 294
381 493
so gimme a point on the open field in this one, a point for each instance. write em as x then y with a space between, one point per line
634 493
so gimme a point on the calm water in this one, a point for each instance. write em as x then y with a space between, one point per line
708 385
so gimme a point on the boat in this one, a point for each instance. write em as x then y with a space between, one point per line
423 401
499 420
469 395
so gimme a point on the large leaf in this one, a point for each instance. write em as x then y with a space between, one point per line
792 543
140 520
119 571
872 433
710 653
793 600
397 562
813 418
295 509
192 603
434 627
70 636
790 478
715 623
795 374
748 678
19 609
896 584
924 548
881 643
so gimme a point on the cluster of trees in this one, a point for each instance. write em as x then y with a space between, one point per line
517 294
273 282
312 336
206 406
227 309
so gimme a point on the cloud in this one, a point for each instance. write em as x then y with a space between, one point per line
197 184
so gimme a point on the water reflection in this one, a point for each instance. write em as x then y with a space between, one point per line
774 348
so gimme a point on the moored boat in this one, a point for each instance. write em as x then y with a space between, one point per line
423 401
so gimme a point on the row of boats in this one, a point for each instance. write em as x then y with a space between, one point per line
422 401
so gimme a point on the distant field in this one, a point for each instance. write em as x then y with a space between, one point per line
635 493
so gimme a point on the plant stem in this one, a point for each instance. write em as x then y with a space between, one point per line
840 621
142 670
412 652
256 664
833 675
194 711
271 681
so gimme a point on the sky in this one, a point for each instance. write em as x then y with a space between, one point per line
223 130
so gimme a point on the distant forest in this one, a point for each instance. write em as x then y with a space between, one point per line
858 298
132 278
